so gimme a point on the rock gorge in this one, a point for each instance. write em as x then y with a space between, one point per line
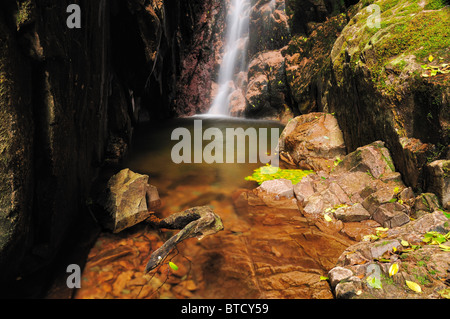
70 99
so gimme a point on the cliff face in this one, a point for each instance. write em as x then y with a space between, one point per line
55 102
69 99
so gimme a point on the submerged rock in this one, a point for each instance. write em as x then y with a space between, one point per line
129 199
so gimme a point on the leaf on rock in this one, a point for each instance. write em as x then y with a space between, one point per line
393 269
173 266
445 293
413 286
374 282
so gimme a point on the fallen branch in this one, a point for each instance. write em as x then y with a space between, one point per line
194 222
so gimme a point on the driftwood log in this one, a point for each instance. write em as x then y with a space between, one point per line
194 222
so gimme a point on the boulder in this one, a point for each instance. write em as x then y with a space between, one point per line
337 274
312 141
354 213
304 189
128 199
278 187
373 159
391 215
438 181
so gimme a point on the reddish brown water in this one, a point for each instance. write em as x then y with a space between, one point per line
262 252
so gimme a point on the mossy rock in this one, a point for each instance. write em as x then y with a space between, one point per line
410 34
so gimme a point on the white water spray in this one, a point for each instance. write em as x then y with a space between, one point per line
234 59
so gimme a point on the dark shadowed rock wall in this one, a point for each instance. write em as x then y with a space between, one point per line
69 99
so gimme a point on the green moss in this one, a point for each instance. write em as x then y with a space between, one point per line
423 34
435 5
268 172
24 14
446 169
388 5
366 3
406 30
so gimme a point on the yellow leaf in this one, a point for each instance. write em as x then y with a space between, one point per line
445 293
404 243
393 269
413 286
327 218
430 58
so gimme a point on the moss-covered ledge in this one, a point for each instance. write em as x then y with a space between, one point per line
392 82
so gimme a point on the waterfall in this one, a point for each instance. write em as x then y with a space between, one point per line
234 59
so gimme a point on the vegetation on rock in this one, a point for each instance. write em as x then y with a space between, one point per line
269 172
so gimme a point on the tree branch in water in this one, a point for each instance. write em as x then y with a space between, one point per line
194 222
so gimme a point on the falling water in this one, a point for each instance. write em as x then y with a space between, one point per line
234 59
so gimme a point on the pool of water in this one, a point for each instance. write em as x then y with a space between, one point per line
152 148
115 264
262 252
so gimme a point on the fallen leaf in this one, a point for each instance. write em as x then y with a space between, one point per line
393 269
374 282
445 293
413 286
173 266
430 58
323 278
327 218
404 243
